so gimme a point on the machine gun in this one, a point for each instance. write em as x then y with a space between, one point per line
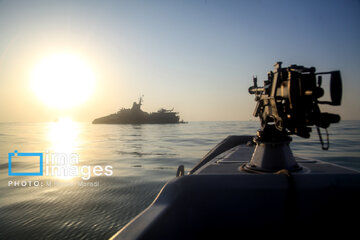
288 103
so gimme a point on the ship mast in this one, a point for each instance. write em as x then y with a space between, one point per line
141 100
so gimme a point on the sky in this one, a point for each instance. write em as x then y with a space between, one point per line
197 57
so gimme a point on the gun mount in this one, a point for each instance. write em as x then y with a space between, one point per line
287 104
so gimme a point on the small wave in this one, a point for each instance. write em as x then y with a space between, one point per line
3 166
162 168
140 154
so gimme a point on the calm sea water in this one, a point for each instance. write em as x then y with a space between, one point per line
143 159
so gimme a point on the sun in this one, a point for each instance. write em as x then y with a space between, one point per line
62 80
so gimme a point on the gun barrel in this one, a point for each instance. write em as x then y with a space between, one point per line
256 90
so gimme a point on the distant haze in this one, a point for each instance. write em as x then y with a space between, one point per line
197 57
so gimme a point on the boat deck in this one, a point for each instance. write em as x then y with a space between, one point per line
219 200
231 161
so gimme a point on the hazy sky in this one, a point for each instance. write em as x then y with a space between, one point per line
197 57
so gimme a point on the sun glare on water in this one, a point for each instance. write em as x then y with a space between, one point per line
62 80
63 135
64 138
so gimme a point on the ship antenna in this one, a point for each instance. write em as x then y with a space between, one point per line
141 99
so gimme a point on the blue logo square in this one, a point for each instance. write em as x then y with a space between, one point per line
15 153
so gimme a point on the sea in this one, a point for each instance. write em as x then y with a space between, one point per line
105 175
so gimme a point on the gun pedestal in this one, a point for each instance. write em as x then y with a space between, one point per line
272 152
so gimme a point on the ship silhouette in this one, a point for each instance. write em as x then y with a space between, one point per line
135 115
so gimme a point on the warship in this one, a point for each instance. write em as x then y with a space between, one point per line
250 187
135 115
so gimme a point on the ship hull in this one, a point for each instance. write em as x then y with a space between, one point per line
137 116
111 119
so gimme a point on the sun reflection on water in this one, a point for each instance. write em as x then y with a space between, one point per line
64 139
63 135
